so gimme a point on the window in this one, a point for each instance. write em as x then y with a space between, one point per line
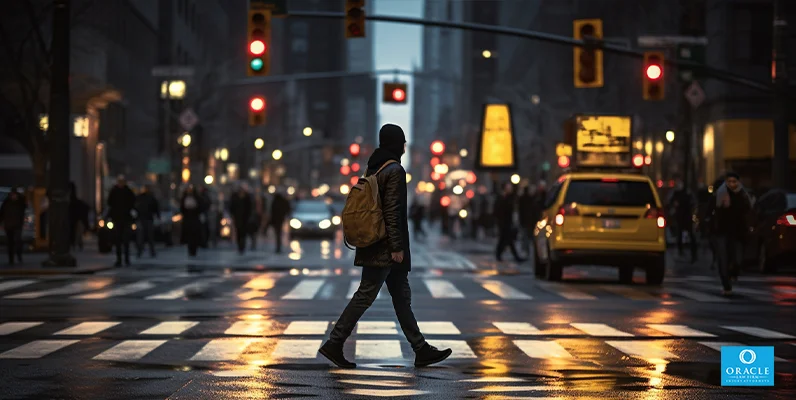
312 207
553 195
610 193
791 201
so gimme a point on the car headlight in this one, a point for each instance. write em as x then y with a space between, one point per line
325 224
110 225
225 231
336 220
295 224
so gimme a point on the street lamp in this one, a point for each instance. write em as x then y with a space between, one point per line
209 180
224 153
463 153
277 154
175 90
670 136
307 131
185 140
259 143
486 54
515 179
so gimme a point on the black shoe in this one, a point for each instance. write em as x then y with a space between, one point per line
334 353
428 355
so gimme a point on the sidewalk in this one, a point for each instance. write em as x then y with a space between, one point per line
88 261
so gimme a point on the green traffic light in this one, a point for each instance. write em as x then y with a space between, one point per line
256 64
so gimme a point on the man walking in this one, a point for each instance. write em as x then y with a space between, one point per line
732 219
386 261
280 209
12 217
146 205
241 209
507 230
682 202
121 201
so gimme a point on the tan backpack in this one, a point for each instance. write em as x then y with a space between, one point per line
363 222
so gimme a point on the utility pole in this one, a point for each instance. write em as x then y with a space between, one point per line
781 165
58 135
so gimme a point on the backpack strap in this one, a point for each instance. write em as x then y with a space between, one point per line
384 166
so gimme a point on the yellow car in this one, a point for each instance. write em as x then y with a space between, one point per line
613 219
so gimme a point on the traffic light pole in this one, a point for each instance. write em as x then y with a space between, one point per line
704 70
781 163
59 190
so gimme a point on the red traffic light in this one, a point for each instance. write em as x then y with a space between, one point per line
445 201
354 149
345 170
654 72
437 147
563 161
257 47
257 103
470 194
398 94
638 161
355 167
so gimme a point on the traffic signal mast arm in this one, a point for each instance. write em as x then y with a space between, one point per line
713 73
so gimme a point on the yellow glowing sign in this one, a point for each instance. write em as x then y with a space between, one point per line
497 137
563 150
603 134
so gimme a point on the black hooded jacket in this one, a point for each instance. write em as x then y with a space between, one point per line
394 203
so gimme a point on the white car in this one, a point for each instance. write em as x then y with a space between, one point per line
313 218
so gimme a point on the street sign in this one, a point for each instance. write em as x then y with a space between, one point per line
159 165
278 7
188 119
172 71
663 41
602 140
692 53
695 94
497 143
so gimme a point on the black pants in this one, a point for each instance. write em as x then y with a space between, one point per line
240 235
417 226
14 244
689 229
121 239
277 227
372 280
146 236
730 252
506 239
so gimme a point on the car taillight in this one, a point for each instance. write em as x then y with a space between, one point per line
569 209
656 214
787 220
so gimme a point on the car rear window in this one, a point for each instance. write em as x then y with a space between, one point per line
791 201
610 193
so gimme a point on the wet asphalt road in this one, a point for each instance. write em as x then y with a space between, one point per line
248 327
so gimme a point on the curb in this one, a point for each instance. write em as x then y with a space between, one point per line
53 271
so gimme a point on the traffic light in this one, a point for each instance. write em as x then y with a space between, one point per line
355 18
395 93
259 43
654 84
256 111
354 149
437 147
638 160
563 161
588 61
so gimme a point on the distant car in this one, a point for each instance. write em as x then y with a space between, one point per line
28 227
773 241
313 218
105 227
611 219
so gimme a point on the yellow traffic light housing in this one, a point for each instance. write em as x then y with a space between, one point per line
654 85
588 62
354 19
395 93
259 41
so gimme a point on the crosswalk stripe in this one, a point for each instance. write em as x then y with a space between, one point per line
120 291
87 328
376 328
306 289
37 348
261 283
438 328
679 330
307 328
542 349
759 332
292 348
646 349
628 292
718 345
378 383
15 284
759 295
517 328
182 291
72 288
386 392
600 330
565 291
129 350
460 348
378 349
8 328
491 379
372 372
170 328
443 289
222 350
698 296
504 291
249 328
